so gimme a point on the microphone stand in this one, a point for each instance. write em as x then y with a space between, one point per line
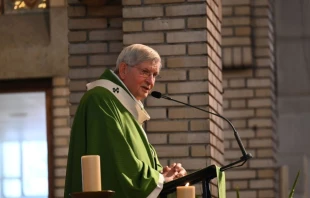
245 156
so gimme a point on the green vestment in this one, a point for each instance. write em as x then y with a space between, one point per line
103 126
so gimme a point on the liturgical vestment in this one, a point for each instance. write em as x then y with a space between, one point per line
108 123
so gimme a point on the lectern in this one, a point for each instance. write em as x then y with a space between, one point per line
204 175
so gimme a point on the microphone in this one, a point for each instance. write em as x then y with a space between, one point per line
245 156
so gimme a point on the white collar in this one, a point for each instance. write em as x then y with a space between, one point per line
134 106
138 101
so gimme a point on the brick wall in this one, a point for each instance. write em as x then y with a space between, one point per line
249 95
61 132
95 40
237 33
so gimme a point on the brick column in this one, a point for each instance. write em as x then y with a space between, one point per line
249 95
61 132
187 36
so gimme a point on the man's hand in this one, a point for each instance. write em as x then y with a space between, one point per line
174 171
180 170
169 173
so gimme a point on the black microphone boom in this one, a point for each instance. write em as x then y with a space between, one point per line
245 156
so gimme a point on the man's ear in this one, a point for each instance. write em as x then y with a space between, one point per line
123 67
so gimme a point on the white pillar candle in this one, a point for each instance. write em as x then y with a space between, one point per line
91 175
185 191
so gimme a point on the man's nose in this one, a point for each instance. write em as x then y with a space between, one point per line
150 79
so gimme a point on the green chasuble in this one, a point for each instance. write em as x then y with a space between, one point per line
104 126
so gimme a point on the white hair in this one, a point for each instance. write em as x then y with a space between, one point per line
135 54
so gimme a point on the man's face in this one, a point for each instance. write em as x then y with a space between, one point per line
140 79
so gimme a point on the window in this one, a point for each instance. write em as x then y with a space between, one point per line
26 169
22 175
22 6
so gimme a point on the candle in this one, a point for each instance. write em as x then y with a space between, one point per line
186 191
91 175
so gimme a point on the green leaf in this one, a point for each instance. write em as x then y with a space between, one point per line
237 191
295 182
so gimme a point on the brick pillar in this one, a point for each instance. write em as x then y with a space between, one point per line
249 95
187 36
61 132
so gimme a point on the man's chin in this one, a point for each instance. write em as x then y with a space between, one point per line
145 95
142 96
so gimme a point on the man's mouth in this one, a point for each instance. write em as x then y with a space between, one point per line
146 88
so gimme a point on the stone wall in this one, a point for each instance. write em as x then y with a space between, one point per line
293 74
34 45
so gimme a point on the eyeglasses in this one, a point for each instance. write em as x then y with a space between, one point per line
146 73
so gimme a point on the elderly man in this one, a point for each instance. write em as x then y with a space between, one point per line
108 123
